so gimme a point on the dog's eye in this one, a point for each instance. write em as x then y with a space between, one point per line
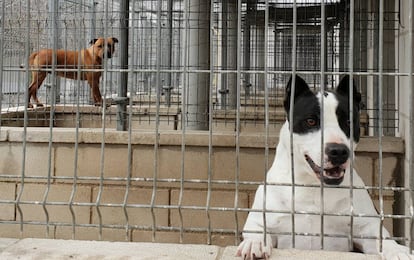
311 122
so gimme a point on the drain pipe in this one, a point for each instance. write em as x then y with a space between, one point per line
122 100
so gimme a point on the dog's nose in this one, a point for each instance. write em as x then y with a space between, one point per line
337 153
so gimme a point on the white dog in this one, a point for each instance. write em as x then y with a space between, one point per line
334 173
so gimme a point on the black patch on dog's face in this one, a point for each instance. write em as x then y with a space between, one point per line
342 111
306 109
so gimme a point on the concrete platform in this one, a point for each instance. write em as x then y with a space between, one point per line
30 248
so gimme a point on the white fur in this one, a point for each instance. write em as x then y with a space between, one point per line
308 199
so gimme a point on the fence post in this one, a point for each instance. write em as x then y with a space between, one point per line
122 99
198 62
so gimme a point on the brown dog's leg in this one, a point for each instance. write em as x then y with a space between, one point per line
96 94
37 80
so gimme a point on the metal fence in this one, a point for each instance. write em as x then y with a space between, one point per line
218 67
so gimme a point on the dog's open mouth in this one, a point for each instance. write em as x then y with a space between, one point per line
332 175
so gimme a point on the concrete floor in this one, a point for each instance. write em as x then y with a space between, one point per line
95 250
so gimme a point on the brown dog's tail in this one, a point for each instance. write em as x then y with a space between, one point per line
31 60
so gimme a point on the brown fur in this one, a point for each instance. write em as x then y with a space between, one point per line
90 58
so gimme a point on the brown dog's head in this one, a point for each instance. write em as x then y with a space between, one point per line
99 46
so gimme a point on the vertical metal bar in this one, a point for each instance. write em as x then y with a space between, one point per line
103 110
157 119
54 8
250 9
122 99
210 123
380 119
130 114
238 106
54 38
183 118
351 116
25 122
322 91
266 91
2 18
92 7
411 123
224 47
76 145
292 102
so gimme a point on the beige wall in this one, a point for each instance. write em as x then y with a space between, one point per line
110 190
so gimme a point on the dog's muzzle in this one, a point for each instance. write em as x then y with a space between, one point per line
333 170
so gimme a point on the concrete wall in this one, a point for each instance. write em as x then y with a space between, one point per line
109 183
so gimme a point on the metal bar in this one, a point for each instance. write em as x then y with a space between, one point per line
224 47
129 167
410 141
183 119
102 158
266 90
351 116
238 107
54 8
198 59
25 123
122 99
292 102
76 146
157 119
322 91
2 49
210 124
380 120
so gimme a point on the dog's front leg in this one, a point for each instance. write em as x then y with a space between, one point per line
93 82
257 244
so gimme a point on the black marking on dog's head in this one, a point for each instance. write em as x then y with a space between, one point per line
306 109
92 42
342 111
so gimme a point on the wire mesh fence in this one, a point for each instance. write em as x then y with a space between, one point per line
192 107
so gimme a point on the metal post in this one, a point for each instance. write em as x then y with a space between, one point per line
198 60
231 53
223 89
122 100
53 7
93 18
167 87
251 8
260 58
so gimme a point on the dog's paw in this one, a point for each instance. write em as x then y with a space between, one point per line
254 249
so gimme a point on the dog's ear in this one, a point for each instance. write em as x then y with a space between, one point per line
301 88
115 40
92 42
343 89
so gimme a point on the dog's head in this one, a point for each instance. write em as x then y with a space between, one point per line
330 165
99 49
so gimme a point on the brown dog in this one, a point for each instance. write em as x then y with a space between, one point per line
90 58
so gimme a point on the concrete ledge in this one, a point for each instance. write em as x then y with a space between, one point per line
30 248
170 137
